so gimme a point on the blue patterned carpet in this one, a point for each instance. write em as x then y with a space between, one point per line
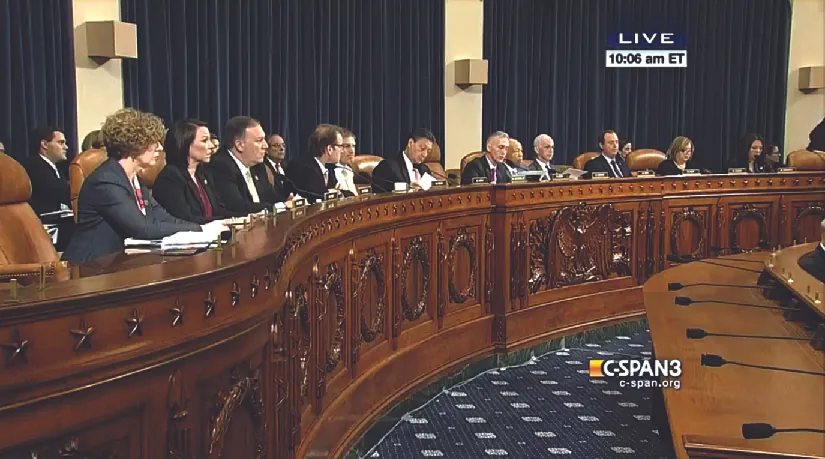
547 407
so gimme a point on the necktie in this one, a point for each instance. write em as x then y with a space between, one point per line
549 171
493 175
417 175
250 184
139 198
616 169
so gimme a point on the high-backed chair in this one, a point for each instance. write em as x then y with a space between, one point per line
148 176
583 158
433 161
645 158
25 246
80 168
804 160
466 160
363 165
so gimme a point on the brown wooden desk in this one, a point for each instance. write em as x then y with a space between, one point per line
707 413
297 337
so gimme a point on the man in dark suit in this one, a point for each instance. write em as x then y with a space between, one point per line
544 147
238 175
275 163
407 166
309 173
814 262
608 161
491 165
50 190
817 137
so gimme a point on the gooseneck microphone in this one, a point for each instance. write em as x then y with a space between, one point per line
687 301
673 286
761 430
688 259
713 360
699 333
367 177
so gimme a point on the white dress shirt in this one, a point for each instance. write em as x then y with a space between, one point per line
410 169
250 181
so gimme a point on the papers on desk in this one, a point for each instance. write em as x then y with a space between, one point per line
574 174
183 240
62 213
426 182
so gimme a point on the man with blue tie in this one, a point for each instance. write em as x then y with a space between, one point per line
608 161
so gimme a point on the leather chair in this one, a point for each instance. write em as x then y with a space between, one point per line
804 160
433 161
148 176
645 158
80 168
25 246
583 158
466 160
363 165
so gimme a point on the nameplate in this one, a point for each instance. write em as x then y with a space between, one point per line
331 196
600 175
691 172
737 170
645 173
362 190
786 169
299 212
560 177
439 184
518 178
477 180
401 187
298 202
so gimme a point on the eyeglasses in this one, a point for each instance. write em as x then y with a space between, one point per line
339 145
349 146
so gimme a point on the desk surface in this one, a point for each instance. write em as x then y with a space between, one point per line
713 403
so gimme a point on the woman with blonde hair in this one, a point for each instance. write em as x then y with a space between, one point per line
679 153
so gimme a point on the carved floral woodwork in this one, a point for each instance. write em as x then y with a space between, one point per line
416 253
303 337
332 286
462 239
806 209
688 214
178 433
748 211
518 257
245 391
371 265
490 269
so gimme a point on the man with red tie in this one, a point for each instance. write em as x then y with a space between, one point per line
490 166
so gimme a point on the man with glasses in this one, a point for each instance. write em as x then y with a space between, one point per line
309 173
343 169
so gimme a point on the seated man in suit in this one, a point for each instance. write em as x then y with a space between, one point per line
407 166
544 146
491 165
113 205
309 173
343 169
515 156
608 161
50 190
275 163
817 137
239 177
814 262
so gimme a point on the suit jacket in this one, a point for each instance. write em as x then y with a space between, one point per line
108 213
393 170
279 181
48 190
230 185
760 166
306 172
479 167
600 164
814 263
178 194
535 166
668 167
817 137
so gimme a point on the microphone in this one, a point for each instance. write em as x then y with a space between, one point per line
302 192
689 259
673 286
699 333
687 301
713 360
368 178
761 430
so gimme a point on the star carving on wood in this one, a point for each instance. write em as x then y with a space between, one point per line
177 313
83 333
17 349
209 304
134 323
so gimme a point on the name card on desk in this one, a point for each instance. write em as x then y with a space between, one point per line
691 172
331 196
737 170
364 190
439 183
560 177
518 178
599 175
477 180
401 187
786 169
645 173
298 202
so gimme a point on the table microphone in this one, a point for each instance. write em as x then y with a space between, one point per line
760 430
699 333
689 259
673 286
367 177
687 301
713 360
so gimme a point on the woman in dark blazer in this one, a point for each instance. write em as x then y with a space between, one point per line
679 153
113 205
751 155
184 186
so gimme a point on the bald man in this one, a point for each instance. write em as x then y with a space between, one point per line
544 146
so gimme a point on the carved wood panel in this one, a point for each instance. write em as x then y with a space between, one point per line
240 400
689 228
330 304
370 302
799 217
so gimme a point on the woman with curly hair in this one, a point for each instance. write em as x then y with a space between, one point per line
113 205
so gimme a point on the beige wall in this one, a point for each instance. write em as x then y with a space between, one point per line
99 84
807 49
463 39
